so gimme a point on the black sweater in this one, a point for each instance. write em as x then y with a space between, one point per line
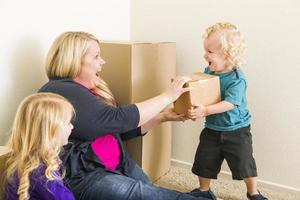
93 118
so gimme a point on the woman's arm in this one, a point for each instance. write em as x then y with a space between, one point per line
150 108
166 115
94 118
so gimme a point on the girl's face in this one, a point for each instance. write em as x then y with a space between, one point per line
214 56
91 65
64 132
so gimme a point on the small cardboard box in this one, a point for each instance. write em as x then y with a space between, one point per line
205 90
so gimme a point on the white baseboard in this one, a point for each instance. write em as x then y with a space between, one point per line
267 184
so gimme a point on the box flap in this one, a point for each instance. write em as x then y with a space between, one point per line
201 76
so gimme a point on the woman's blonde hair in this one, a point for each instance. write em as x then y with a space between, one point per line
232 42
33 140
65 57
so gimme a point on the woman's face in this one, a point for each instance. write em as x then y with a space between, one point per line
91 65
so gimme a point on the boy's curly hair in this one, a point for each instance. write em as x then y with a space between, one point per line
232 41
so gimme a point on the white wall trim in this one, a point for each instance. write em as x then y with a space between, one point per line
268 184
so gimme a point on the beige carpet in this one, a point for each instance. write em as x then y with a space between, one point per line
183 180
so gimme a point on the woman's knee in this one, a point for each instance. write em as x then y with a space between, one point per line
114 187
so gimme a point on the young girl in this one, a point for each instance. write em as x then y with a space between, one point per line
41 127
227 126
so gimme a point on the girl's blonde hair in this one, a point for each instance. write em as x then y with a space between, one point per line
232 42
65 56
33 140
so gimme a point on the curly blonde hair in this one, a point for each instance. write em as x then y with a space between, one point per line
64 60
33 142
232 42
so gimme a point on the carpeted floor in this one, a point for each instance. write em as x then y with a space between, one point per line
183 180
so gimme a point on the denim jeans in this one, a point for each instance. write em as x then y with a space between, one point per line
135 185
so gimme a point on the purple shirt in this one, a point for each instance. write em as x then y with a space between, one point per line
40 188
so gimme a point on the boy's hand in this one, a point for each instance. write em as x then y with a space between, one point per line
196 112
169 115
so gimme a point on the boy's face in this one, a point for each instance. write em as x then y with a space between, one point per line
213 54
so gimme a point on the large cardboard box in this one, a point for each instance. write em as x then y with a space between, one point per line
205 90
137 71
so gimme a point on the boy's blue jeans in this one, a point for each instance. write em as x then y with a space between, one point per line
135 186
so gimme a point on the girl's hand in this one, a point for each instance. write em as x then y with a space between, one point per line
169 115
196 112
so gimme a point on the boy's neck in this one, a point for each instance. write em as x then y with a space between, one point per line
225 70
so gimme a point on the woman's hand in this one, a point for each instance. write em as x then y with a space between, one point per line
195 113
176 87
151 108
169 115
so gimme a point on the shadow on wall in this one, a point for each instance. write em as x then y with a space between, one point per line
26 71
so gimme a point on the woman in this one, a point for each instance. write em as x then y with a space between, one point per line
98 166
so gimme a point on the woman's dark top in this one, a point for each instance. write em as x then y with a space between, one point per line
93 119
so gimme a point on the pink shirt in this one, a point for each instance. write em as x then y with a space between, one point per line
107 150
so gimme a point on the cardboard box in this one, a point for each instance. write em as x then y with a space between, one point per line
137 71
205 90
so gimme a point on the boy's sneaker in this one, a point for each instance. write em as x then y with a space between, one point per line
207 194
258 196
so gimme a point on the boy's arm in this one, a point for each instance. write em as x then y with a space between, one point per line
220 107
203 111
233 97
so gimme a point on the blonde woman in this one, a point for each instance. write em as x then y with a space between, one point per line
97 164
227 128
41 127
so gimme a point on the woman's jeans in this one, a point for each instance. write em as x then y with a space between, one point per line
134 186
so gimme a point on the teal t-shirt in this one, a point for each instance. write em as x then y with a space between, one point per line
233 89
